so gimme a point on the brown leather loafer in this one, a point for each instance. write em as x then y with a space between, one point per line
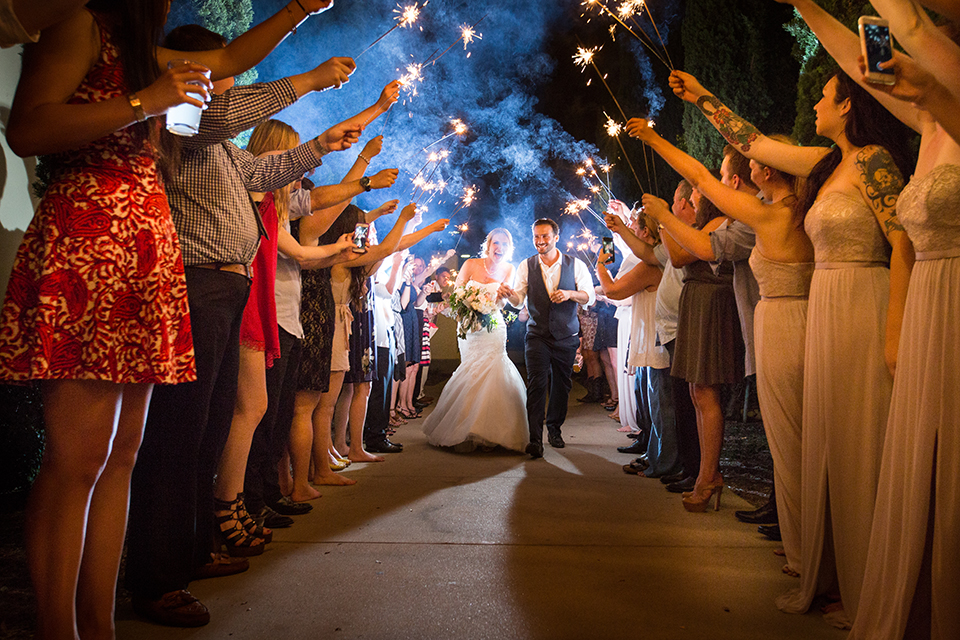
174 609
221 565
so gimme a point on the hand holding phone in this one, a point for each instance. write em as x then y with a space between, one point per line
360 234
606 247
876 45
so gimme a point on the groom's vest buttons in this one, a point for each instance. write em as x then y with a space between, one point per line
546 318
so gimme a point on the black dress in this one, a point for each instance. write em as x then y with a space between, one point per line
363 345
412 332
317 315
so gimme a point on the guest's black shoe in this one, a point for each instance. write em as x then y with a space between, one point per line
636 467
771 531
635 448
287 507
686 484
673 477
635 435
556 441
767 514
272 520
534 450
383 446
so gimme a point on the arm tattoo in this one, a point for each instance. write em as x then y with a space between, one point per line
882 182
735 129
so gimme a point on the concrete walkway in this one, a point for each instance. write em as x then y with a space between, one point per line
434 544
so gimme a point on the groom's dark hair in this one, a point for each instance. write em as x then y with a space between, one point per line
549 223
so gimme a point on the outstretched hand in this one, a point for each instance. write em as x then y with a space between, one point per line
640 129
373 148
913 83
615 223
686 87
389 95
656 208
384 179
340 136
333 73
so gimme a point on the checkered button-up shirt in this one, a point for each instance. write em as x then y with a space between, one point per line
209 200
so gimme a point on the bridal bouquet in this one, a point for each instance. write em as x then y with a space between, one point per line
474 307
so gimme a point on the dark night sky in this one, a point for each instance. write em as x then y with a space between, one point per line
531 115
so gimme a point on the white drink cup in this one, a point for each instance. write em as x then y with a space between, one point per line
184 119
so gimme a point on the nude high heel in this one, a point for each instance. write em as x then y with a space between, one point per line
698 501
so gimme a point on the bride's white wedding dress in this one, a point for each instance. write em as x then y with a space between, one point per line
484 402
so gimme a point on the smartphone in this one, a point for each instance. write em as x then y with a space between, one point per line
360 234
876 45
607 247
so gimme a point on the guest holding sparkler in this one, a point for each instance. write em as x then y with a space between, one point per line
782 259
854 315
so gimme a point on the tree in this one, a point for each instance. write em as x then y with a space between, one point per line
737 49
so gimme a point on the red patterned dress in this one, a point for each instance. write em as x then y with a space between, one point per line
98 289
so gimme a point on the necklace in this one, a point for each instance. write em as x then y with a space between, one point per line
493 277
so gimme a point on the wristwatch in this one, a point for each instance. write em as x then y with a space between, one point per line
365 183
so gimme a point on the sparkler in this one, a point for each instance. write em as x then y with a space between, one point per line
459 129
406 16
630 7
615 134
468 33
408 81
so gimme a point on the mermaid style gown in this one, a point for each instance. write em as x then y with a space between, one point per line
916 523
485 401
780 329
846 397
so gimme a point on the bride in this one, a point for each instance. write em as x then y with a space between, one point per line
484 402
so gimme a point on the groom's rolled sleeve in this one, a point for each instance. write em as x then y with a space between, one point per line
584 281
520 283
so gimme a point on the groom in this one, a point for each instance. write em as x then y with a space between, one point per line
553 285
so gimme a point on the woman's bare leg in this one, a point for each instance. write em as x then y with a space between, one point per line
81 420
301 445
608 358
107 519
710 421
341 416
358 414
321 418
247 412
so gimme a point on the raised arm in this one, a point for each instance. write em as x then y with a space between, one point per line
738 205
378 252
314 257
41 121
844 46
329 195
632 282
748 140
248 49
413 238
919 36
686 244
639 248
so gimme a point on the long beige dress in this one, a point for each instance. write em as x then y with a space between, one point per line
846 398
916 526
780 329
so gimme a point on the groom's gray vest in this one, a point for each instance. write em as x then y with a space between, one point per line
548 319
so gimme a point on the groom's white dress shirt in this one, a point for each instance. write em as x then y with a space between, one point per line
551 278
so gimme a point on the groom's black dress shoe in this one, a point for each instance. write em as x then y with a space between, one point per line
556 441
686 484
771 531
767 514
383 446
636 448
534 450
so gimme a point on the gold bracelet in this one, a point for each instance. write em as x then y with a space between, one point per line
138 111
364 158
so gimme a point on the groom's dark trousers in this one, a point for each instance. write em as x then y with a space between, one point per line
549 366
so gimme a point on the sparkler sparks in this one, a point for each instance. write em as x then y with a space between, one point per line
629 8
409 80
406 16
584 56
468 34
613 127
